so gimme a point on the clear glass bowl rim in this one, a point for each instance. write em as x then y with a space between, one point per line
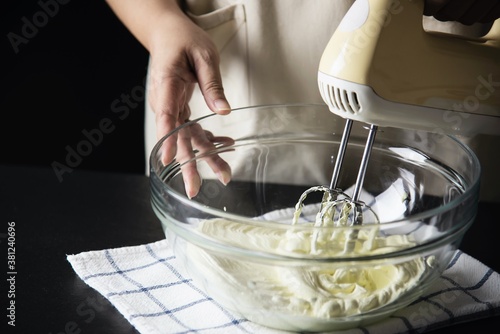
470 191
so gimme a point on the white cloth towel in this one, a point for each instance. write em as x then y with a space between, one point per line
144 284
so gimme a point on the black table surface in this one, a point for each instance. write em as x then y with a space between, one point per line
92 210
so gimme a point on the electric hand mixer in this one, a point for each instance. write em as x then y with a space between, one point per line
382 68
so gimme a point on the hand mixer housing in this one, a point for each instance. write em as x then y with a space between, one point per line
381 67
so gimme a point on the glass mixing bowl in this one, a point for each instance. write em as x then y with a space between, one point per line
239 245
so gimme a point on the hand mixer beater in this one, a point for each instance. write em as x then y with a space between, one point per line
382 68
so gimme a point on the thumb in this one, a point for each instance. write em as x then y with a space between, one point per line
210 82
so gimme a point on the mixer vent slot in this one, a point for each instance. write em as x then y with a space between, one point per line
340 99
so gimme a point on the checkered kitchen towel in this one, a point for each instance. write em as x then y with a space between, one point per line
144 284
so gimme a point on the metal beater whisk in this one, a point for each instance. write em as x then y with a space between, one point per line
337 208
334 197
358 217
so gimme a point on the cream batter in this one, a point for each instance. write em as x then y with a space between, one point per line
318 291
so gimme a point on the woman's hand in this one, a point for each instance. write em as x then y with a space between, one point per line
181 56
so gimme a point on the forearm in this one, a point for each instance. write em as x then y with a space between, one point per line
144 18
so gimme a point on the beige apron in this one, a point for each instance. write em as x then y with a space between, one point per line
270 51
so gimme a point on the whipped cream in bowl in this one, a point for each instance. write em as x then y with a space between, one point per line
324 289
247 246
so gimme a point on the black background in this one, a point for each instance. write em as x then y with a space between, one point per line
63 79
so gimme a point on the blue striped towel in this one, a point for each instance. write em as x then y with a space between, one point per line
144 284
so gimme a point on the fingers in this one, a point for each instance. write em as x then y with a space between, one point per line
185 155
204 142
172 86
206 65
194 137
169 99
178 61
